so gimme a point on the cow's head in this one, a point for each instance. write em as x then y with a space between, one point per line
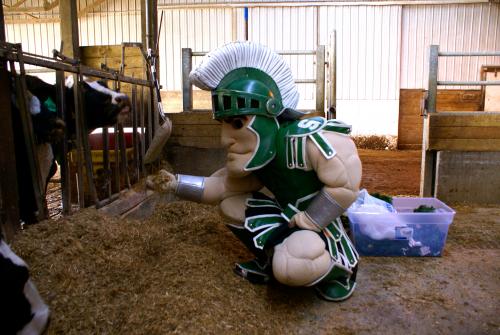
103 106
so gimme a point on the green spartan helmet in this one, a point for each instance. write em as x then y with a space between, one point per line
250 91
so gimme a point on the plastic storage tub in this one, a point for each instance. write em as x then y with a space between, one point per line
402 233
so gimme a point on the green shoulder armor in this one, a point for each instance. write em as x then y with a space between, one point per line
299 131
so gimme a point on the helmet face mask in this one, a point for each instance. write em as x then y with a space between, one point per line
246 91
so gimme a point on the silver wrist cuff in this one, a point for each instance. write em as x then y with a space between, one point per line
190 187
323 209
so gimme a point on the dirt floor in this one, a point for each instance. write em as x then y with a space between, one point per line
172 273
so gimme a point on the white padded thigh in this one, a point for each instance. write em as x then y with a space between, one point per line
300 259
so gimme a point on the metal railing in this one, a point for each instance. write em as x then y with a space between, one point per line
433 74
143 123
319 80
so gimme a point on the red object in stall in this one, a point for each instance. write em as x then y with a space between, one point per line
96 138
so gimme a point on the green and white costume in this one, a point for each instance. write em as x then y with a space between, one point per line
249 79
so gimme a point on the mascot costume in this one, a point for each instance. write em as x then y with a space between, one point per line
287 179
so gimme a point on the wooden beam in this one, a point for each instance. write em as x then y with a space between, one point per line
192 118
475 131
69 28
197 130
17 4
90 7
472 132
428 167
460 144
196 142
32 20
149 23
9 213
465 119
47 6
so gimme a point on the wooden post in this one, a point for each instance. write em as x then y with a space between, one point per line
69 28
149 23
8 182
65 173
187 87
320 80
433 78
332 77
9 212
428 169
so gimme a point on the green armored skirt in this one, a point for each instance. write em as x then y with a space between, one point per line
266 225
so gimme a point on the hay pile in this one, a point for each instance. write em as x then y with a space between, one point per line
376 142
172 273
168 274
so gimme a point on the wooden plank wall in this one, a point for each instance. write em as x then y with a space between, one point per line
194 129
111 55
464 131
410 120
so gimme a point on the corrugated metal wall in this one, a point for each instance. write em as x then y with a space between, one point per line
368 39
473 27
368 62
204 29
198 29
36 37
111 23
289 28
380 48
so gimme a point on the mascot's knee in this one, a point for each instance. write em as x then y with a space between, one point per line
300 259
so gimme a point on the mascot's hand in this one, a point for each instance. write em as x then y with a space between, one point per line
163 182
301 220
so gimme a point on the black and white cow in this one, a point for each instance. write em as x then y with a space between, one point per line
22 310
102 107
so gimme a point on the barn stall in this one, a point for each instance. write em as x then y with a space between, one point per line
158 268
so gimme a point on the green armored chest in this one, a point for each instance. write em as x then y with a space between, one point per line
287 176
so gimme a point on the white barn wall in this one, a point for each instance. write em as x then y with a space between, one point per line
113 22
368 61
198 29
465 27
381 48
289 28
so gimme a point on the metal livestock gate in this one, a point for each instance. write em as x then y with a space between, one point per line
142 112
461 150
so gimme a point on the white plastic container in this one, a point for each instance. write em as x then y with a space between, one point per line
404 232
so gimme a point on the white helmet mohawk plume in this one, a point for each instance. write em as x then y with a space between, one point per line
219 62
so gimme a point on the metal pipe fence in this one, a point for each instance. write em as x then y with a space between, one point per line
434 55
116 178
319 80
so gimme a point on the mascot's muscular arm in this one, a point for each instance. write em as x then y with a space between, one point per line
208 190
219 186
341 176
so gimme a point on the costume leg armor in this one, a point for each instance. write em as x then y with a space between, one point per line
340 281
258 270
338 284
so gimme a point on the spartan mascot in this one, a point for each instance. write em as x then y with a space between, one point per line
287 180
